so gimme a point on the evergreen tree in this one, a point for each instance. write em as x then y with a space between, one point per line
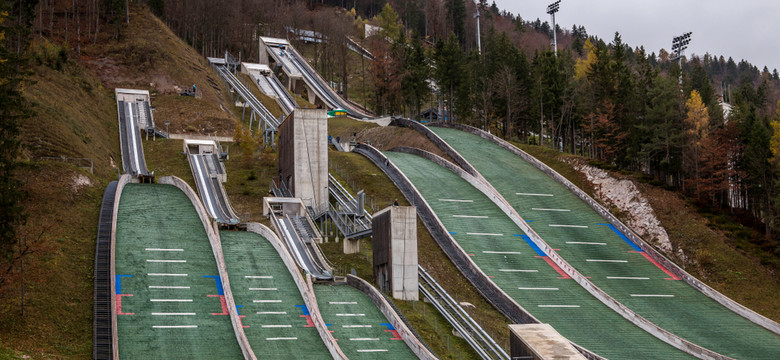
456 12
13 110
450 71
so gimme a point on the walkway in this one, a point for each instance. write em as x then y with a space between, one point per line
167 286
363 332
611 260
523 271
273 313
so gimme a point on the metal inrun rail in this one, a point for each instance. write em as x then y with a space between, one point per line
269 123
483 344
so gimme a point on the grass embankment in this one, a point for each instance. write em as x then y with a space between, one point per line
76 118
150 56
62 207
716 249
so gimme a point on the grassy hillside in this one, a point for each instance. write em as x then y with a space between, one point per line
76 118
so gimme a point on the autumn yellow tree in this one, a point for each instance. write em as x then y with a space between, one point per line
583 65
774 142
697 128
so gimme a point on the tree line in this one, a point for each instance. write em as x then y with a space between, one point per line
606 100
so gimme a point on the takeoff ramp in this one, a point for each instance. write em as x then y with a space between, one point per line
135 116
295 66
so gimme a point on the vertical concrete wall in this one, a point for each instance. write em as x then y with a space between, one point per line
395 251
303 155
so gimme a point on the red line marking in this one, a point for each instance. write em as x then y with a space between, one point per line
657 264
490 276
556 267
470 254
241 321
222 303
119 304
309 323
395 335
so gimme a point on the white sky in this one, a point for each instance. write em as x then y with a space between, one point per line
742 29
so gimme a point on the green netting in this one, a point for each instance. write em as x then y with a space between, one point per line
495 244
612 263
162 256
361 329
268 300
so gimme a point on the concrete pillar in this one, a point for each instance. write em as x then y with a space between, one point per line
351 246
303 155
312 95
395 251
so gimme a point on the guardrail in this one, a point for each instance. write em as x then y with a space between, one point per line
269 122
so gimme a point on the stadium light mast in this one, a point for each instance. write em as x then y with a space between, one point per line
679 44
479 41
552 9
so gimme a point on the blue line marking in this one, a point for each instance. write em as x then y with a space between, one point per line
304 309
452 233
626 239
238 307
218 281
118 282
531 244
389 326
529 221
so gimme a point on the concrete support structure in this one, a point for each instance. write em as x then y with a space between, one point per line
351 246
538 342
303 156
395 251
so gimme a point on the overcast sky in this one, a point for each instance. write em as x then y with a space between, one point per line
742 29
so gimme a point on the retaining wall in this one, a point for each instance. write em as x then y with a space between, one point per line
304 287
417 347
216 247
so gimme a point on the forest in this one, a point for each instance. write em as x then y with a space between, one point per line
709 128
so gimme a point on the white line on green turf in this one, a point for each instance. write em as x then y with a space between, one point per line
585 243
166 261
607 261
168 287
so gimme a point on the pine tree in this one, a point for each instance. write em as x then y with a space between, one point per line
13 110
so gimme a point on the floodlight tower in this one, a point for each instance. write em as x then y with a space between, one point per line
552 9
679 44
479 42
